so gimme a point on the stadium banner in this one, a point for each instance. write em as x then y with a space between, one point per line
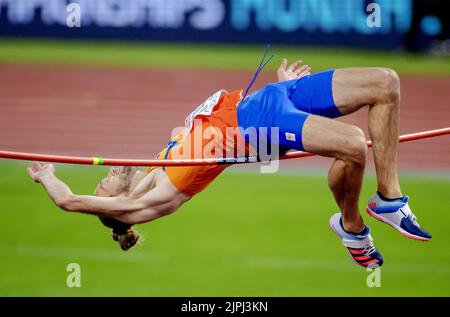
377 23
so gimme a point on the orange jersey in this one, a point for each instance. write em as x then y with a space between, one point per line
207 135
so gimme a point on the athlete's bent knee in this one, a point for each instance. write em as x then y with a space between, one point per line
355 147
388 85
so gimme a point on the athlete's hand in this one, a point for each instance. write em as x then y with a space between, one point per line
294 71
39 170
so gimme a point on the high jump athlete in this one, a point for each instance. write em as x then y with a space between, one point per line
303 107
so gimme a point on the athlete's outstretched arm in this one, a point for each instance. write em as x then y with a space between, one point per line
294 71
154 204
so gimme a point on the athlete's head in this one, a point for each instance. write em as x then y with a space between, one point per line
117 183
123 233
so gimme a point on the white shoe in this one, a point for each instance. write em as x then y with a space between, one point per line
397 214
359 246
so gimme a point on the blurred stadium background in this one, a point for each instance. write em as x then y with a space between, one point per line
119 83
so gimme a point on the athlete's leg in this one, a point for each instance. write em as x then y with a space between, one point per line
335 93
378 88
347 144
336 178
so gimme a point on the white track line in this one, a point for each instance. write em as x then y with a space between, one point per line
271 263
73 254
172 106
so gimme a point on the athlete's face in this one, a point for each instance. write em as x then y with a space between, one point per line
116 183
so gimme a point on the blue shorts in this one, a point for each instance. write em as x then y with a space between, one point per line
285 106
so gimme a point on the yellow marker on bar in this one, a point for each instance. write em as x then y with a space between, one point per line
97 161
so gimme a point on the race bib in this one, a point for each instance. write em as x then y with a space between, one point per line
205 109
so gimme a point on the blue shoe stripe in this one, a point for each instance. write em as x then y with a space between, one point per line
388 208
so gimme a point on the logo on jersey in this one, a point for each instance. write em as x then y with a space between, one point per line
205 109
290 136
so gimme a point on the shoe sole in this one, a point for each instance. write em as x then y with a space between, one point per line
393 225
351 256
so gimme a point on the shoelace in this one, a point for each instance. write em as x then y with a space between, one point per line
369 249
413 218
